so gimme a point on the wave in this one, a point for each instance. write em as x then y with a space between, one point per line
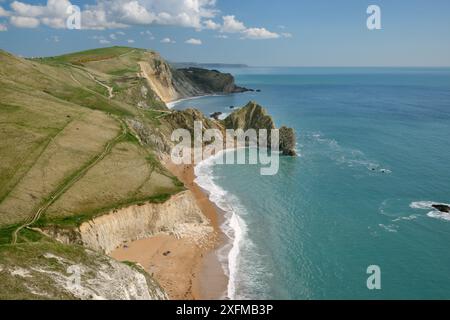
346 156
439 215
428 205
234 227
223 116
389 228
172 104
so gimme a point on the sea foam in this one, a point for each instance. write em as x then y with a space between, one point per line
428 205
234 227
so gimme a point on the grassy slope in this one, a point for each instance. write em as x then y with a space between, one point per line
66 148
57 117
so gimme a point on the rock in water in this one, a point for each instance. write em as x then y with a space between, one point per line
253 116
216 115
287 141
442 207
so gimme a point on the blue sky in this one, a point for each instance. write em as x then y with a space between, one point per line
255 32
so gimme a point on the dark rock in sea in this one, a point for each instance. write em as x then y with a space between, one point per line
215 115
231 107
203 81
442 207
253 116
287 141
258 90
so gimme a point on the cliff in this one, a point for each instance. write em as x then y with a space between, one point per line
50 270
179 216
173 84
252 116
211 81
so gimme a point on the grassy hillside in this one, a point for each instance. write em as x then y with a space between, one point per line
68 153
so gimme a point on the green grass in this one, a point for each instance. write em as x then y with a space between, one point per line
77 220
6 233
52 79
92 101
88 55
125 71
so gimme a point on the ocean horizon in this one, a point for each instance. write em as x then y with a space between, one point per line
373 158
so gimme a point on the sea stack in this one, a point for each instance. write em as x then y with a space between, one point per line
254 116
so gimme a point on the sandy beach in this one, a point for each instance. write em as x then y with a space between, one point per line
185 270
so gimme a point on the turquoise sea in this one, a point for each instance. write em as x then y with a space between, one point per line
374 148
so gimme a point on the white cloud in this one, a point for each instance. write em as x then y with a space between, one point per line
53 14
113 36
132 12
114 14
104 41
120 33
259 33
24 22
56 23
130 41
3 27
194 41
231 25
3 12
221 36
121 13
104 14
167 40
148 34
287 34
211 25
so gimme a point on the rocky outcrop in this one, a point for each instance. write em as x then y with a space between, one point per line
442 208
253 116
173 84
50 270
179 216
287 141
211 81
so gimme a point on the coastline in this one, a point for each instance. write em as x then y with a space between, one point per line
185 270
172 104
210 282
190 271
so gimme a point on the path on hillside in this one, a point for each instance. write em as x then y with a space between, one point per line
110 89
63 188
128 52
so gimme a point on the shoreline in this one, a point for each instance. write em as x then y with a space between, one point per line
210 282
184 269
172 104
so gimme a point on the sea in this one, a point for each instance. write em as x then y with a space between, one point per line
373 157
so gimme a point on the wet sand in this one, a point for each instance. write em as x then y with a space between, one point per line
184 269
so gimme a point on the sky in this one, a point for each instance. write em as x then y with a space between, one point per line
253 32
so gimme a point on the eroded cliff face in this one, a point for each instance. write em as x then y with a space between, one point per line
179 216
173 84
50 270
159 76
